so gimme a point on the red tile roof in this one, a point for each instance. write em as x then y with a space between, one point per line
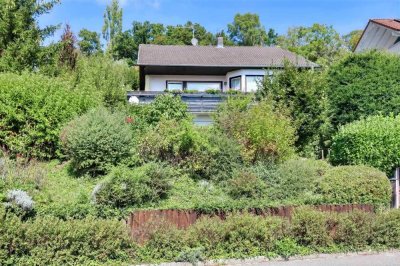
393 24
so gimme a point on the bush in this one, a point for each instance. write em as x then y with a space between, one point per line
355 185
20 203
51 241
364 84
263 134
97 141
293 180
354 230
248 185
373 141
311 228
33 109
386 229
125 187
203 153
289 90
104 78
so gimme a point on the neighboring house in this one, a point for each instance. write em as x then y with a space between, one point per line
381 34
199 68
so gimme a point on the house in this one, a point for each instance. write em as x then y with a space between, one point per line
201 68
381 34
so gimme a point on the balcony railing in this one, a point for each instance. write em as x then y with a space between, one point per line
198 103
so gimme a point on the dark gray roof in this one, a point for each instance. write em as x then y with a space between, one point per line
231 56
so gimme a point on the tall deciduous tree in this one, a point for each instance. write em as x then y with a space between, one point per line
318 43
247 30
20 35
89 42
112 22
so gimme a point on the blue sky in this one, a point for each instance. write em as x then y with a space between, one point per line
344 15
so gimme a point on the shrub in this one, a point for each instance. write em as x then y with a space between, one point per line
96 141
203 153
289 90
386 229
104 78
125 187
293 180
354 230
48 240
248 185
165 107
310 228
355 185
263 134
364 84
33 109
373 141
165 243
20 203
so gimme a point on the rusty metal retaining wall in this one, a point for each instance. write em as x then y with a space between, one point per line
139 221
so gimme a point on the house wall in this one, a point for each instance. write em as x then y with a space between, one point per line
377 37
158 82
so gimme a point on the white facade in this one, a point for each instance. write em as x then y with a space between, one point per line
379 37
248 81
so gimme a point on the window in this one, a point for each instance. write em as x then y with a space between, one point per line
203 86
235 83
174 85
253 82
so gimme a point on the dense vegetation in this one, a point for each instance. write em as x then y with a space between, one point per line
75 155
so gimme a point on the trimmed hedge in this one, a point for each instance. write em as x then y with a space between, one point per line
51 241
373 141
356 185
364 84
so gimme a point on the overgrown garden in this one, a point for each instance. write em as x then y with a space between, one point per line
76 158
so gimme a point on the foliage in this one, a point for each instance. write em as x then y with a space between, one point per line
248 185
97 141
354 230
89 43
203 153
264 134
112 22
246 30
20 34
290 90
33 108
373 141
293 180
48 240
104 79
310 228
319 43
386 229
125 187
355 184
351 39
364 84
68 53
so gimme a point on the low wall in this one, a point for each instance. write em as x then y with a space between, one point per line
138 220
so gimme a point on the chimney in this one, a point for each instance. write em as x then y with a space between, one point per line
220 42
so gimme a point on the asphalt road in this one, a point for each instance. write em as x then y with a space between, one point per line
354 259
363 259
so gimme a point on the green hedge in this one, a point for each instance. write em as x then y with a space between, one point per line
373 141
364 84
33 109
355 185
51 241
